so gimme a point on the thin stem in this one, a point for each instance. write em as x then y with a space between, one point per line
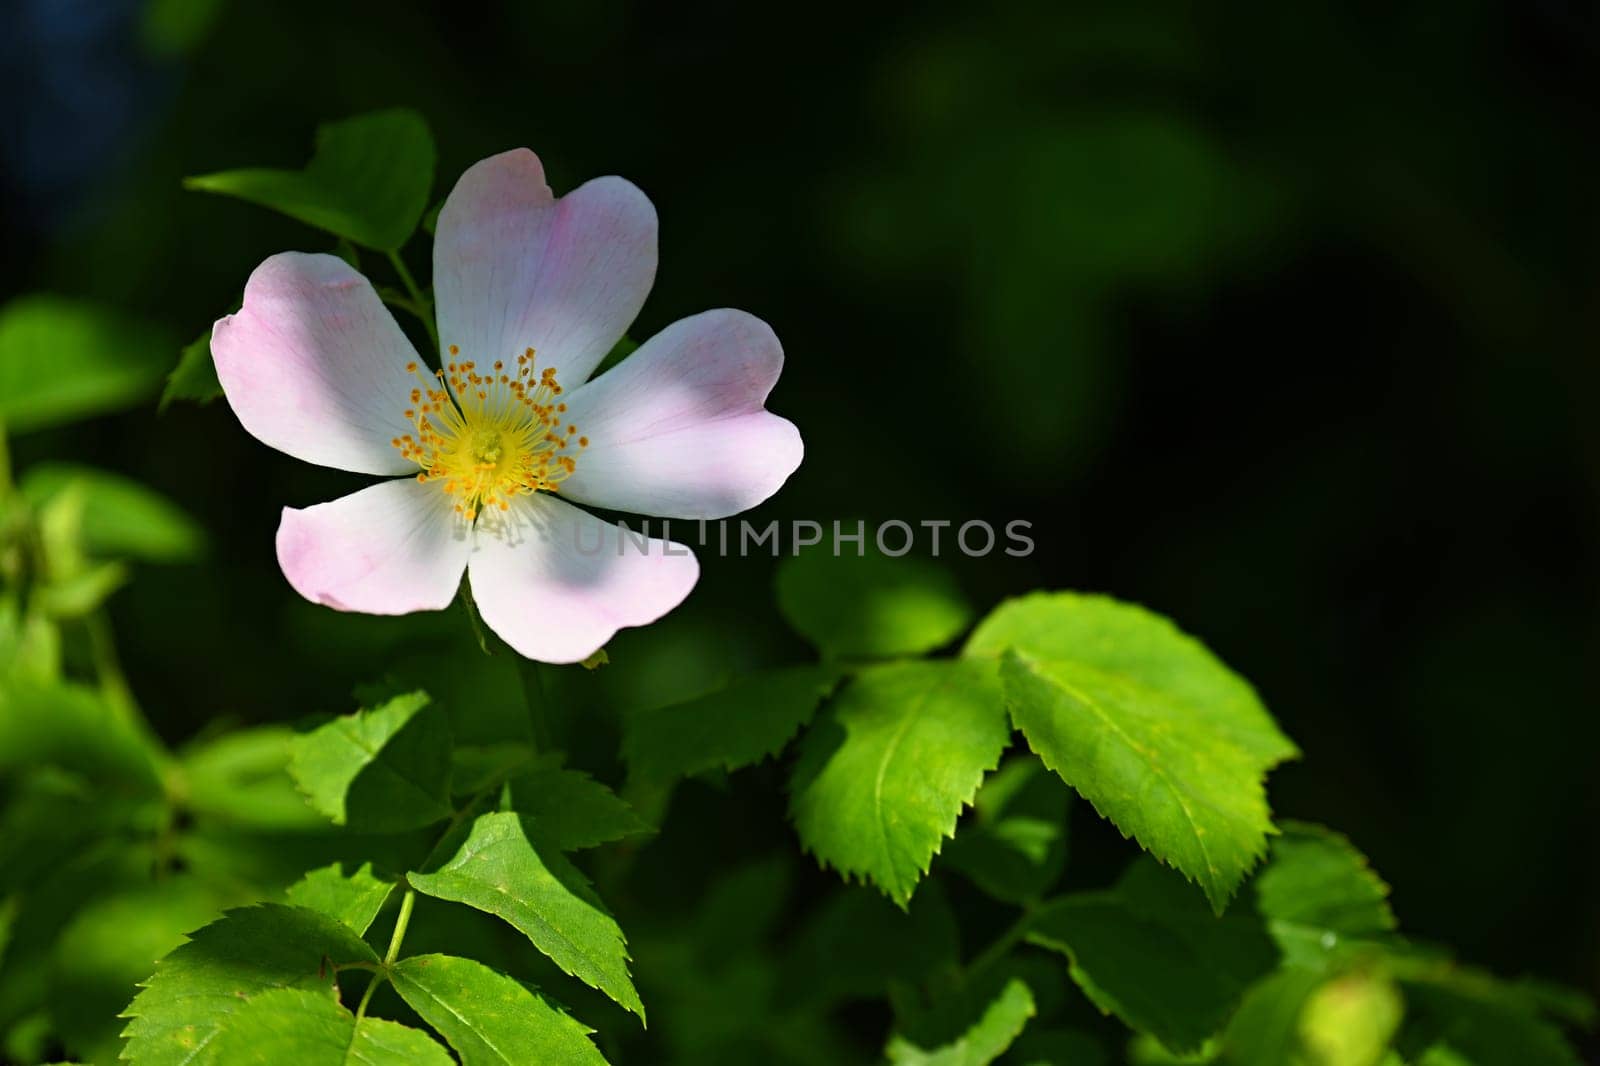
424 306
1003 943
380 974
108 667
533 691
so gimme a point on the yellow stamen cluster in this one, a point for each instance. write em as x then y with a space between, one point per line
493 434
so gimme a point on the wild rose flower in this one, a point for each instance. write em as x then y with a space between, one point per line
532 291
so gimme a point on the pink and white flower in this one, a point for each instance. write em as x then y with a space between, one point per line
532 291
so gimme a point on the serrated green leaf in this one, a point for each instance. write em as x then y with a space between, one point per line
1141 719
490 1019
384 769
354 898
1014 845
497 869
570 810
63 360
306 1028
737 726
1150 952
120 517
882 777
195 989
195 377
1317 891
980 1045
368 180
872 605
72 727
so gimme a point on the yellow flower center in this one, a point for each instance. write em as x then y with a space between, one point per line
490 436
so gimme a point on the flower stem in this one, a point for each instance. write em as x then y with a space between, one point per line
423 305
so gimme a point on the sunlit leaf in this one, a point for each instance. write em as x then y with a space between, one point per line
383 769
870 606
311 1028
883 775
63 360
752 718
368 180
1317 891
986 1041
354 898
121 517
490 1019
1141 719
195 990
497 869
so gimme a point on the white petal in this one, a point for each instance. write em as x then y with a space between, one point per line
392 548
556 582
314 365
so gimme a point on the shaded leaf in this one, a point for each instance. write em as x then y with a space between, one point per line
384 769
882 778
490 1019
570 810
872 605
1014 845
858 944
187 1002
496 868
73 727
63 360
1317 891
242 777
195 377
354 898
986 1041
307 1028
1141 719
367 181
120 516
752 718
1150 952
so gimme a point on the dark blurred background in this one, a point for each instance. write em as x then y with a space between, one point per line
1280 319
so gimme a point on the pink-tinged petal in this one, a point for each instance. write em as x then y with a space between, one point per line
556 582
515 268
678 428
392 548
314 365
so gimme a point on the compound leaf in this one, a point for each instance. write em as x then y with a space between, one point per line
384 769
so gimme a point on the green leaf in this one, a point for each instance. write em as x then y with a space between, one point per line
120 516
497 869
197 988
872 605
1483 1019
73 727
62 360
1141 719
195 377
737 726
858 946
242 778
1316 892
383 770
1350 1020
368 180
355 898
570 810
490 1019
1150 952
306 1028
108 947
883 776
1015 844
986 1041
